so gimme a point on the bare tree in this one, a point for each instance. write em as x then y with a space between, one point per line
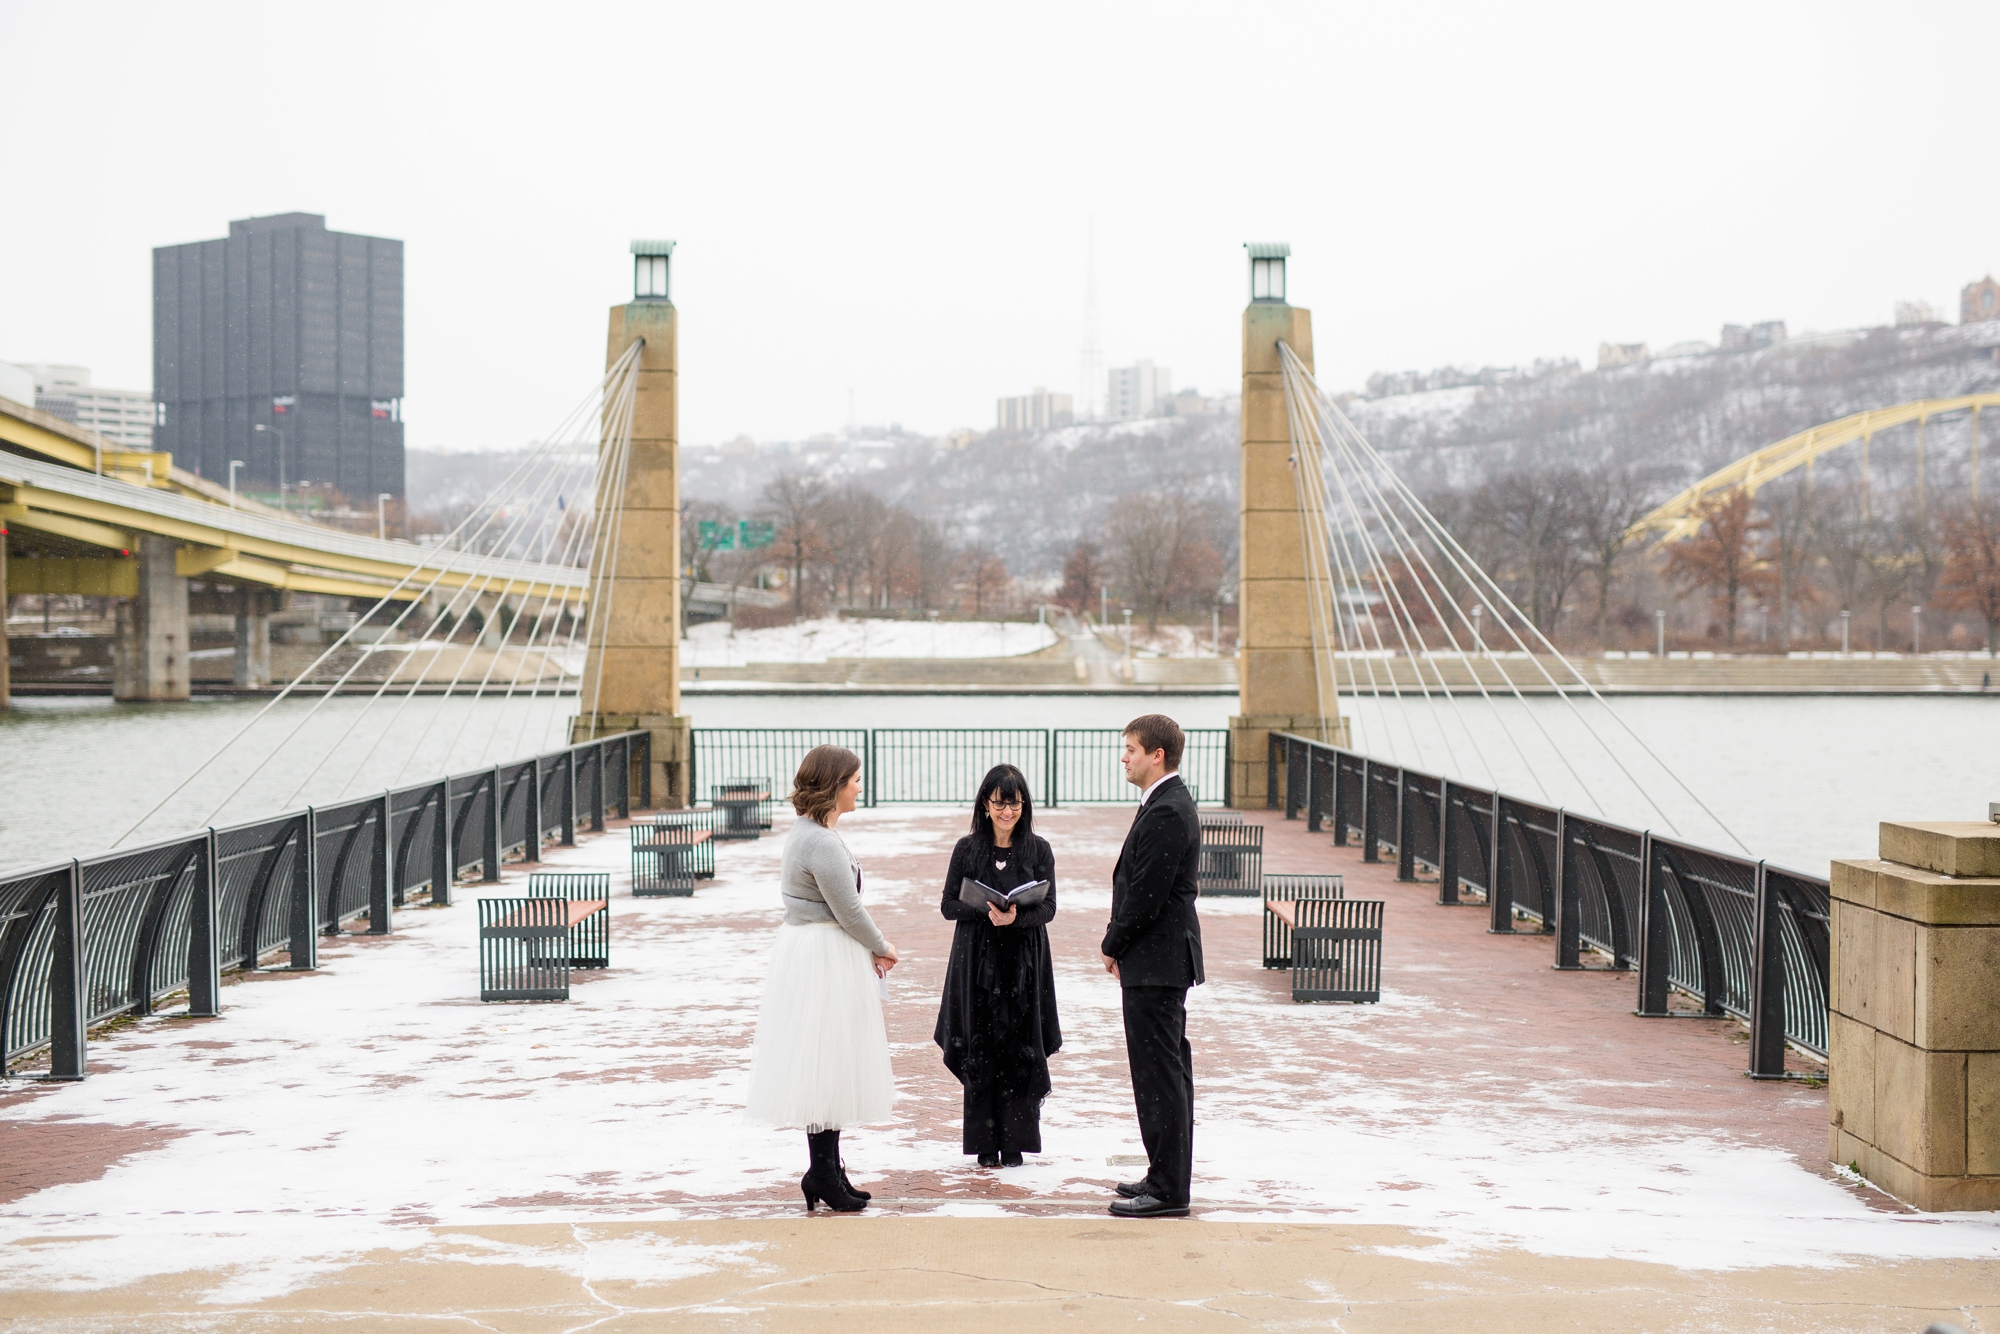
1971 577
1607 503
1789 551
1163 550
1083 575
1722 559
984 577
794 499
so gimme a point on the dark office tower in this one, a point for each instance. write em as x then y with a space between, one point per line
287 326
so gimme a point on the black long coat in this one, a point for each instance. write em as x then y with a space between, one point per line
997 1022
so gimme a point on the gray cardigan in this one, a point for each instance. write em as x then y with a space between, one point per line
820 882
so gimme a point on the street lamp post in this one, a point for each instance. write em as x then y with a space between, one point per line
1845 617
1478 641
1916 630
1660 634
234 464
278 431
382 499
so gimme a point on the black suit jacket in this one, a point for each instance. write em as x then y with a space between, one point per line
1154 934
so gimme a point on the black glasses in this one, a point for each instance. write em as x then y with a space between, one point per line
1004 803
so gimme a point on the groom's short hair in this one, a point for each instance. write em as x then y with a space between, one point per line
1156 731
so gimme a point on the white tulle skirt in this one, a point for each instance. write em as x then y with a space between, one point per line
821 1058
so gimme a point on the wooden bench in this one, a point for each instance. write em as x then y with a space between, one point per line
1232 858
744 807
1336 947
1280 892
588 894
667 858
524 949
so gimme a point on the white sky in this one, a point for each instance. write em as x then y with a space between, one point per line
894 199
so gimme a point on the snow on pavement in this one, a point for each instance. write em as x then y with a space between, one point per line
326 1116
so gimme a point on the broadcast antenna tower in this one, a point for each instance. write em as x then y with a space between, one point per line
1090 360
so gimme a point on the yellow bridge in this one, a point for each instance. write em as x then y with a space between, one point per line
95 504
1684 515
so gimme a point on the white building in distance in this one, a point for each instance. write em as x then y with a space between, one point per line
1033 412
1138 390
122 416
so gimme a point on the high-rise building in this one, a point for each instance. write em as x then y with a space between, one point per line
1136 391
288 327
122 416
1033 412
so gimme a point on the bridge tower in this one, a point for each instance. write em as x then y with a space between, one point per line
1277 687
638 647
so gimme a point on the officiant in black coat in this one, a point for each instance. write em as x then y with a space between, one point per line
997 1022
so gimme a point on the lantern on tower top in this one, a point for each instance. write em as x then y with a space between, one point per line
1267 270
649 269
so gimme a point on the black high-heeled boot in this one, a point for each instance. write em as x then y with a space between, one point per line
822 1181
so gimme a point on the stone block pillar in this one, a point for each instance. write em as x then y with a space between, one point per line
1914 1041
1277 688
152 649
637 637
253 639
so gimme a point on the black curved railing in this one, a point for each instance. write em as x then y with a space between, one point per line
87 940
1742 937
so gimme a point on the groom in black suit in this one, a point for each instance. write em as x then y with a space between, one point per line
1153 948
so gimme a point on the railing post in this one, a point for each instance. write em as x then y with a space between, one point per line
382 873
444 859
1568 901
625 780
1371 850
1049 766
1499 893
304 948
868 764
1767 986
597 787
489 871
1312 789
1298 764
1272 741
1448 840
1406 819
204 965
1655 932
646 772
1337 800
1228 771
566 796
534 849
69 1015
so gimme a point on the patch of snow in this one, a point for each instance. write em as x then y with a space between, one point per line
719 644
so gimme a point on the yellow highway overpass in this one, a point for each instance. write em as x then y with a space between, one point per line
87 504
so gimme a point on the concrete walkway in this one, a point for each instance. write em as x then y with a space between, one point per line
1495 1145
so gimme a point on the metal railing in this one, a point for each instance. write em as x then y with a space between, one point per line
89 939
1742 937
1063 765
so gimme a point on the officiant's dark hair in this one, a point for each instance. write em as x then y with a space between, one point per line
1002 780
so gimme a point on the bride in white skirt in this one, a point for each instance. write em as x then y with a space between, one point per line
821 1058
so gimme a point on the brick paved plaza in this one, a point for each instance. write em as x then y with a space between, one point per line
1495 1144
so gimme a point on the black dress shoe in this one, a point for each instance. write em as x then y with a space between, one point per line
1131 1189
1147 1206
1010 1158
989 1160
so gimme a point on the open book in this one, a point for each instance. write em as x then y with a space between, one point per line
979 895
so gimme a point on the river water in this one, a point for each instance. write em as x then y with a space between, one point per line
1797 780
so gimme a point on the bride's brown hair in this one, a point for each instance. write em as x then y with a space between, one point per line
822 773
